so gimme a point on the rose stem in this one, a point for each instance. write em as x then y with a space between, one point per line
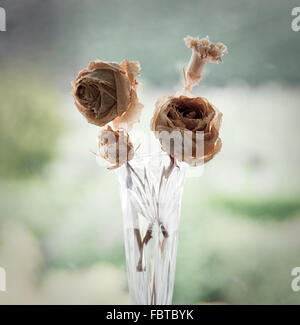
138 238
148 234
194 70
163 230
153 297
145 241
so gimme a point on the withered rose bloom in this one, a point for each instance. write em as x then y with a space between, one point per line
115 147
106 92
180 118
203 51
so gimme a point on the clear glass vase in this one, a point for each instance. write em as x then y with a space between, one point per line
151 191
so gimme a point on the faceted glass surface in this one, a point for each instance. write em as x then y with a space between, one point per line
151 190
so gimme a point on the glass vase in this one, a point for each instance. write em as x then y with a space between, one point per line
151 190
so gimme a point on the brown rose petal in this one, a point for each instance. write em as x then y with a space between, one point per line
115 147
132 69
189 115
132 114
106 91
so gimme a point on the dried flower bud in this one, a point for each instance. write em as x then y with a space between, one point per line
185 118
203 51
115 147
106 92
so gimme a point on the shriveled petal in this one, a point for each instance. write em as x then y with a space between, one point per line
188 116
106 90
115 147
203 51
132 69
131 115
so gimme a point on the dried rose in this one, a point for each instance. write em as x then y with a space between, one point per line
203 51
115 146
106 92
182 117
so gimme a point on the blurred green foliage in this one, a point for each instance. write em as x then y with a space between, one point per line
30 123
275 208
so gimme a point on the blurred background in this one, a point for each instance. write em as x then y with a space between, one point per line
60 215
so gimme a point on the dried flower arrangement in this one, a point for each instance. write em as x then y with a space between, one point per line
106 94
